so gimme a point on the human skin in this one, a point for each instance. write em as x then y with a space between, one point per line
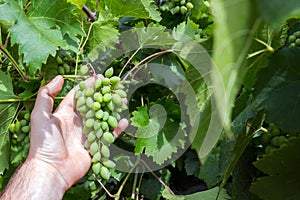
57 158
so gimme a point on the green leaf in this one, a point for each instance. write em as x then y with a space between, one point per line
282 166
210 170
191 163
188 28
140 117
133 8
7 113
275 12
277 90
104 33
235 23
41 32
210 194
155 138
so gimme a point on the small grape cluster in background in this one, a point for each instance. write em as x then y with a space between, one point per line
294 40
20 129
176 6
99 107
273 139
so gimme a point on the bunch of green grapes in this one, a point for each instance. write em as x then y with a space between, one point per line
177 6
273 139
294 39
100 107
63 67
20 130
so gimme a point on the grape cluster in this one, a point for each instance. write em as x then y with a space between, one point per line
63 67
100 108
294 39
20 130
273 139
177 6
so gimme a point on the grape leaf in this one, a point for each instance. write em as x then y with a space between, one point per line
275 12
7 112
210 170
276 90
211 194
133 8
235 23
188 28
191 163
78 3
140 117
40 33
104 33
282 166
155 138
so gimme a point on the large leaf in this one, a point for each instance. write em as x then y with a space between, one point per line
41 32
277 90
282 166
235 22
275 12
133 8
7 112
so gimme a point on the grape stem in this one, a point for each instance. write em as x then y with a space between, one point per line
158 179
146 59
106 190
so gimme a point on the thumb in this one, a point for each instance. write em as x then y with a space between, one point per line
44 102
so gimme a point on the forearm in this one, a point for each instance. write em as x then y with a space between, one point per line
35 180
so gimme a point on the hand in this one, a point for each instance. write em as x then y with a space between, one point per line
56 138
57 157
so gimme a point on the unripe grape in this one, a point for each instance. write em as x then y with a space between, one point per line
59 60
94 148
115 79
116 98
96 106
67 68
270 149
109 163
82 85
109 72
182 2
97 125
106 81
297 42
98 97
278 141
89 102
105 151
183 10
292 38
80 102
104 126
293 45
84 69
17 126
25 129
89 123
105 116
90 114
91 137
98 83
108 137
99 133
12 128
23 122
27 116
112 122
89 92
78 94
111 106
266 138
119 86
189 5
105 173
99 114
83 109
96 168
21 136
175 10
107 97
96 157
297 34
105 89
122 93
275 131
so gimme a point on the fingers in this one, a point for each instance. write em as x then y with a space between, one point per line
122 125
44 101
68 104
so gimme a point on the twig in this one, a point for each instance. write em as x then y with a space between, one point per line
157 178
109 194
91 15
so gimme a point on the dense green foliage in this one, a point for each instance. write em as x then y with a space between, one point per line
227 130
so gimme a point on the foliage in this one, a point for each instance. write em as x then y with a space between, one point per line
212 87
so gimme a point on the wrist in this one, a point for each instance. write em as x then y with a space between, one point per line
35 179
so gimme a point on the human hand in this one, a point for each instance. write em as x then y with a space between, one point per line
56 138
